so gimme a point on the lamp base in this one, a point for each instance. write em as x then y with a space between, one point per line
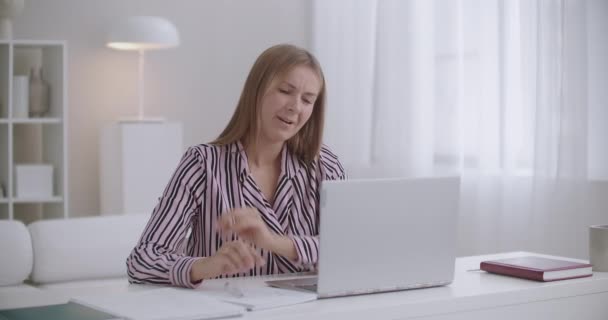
6 29
135 120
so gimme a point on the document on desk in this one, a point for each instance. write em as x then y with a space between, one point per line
161 304
263 297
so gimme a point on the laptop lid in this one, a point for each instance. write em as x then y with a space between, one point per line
387 234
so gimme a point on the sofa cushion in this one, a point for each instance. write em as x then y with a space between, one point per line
84 248
16 250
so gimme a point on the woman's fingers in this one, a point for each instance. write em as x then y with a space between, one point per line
246 258
238 256
244 222
259 259
238 218
256 256
226 221
231 264
248 225
249 255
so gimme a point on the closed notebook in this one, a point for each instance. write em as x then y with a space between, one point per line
161 304
537 268
66 311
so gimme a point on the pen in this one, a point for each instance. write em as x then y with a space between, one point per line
233 289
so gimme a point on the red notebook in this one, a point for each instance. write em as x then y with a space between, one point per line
537 268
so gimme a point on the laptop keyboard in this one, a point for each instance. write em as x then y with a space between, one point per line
307 287
308 284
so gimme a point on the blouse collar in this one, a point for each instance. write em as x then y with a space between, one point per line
290 164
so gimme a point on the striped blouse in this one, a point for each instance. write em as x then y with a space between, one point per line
211 180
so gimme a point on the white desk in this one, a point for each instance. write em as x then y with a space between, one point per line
472 295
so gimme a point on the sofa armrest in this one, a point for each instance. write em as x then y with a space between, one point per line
16 250
84 248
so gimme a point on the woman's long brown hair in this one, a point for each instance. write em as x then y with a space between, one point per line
273 64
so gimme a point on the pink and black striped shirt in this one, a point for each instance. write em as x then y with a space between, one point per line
211 180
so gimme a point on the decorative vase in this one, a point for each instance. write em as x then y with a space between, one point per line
8 10
39 94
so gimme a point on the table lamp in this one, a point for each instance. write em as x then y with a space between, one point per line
143 33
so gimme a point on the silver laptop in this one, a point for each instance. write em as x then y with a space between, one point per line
384 235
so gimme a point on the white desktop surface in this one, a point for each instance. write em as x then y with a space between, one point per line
472 295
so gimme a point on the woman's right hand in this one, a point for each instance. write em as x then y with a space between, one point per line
233 257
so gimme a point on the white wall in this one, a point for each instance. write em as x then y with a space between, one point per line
197 83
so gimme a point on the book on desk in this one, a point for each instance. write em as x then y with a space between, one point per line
538 268
65 311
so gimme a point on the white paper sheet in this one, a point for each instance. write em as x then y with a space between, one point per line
161 304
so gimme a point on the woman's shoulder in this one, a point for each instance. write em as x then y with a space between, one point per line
326 154
205 150
330 164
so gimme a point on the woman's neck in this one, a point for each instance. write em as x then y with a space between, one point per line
264 154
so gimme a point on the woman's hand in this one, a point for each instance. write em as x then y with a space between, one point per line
233 257
249 226
247 223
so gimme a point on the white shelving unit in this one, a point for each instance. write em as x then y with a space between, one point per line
41 140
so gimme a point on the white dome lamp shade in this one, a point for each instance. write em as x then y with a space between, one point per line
143 33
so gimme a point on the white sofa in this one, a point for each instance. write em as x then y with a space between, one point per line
66 257
16 262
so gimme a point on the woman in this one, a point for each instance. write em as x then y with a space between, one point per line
248 202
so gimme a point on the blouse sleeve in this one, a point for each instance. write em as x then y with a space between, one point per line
158 257
307 247
331 168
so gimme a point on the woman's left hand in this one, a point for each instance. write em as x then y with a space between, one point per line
247 223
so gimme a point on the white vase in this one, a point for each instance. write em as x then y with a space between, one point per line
21 96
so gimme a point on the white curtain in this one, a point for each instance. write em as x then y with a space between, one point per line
495 91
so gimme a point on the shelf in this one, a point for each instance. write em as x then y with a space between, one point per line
38 200
27 42
35 43
35 120
30 120
25 139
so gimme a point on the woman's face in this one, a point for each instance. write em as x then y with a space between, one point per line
288 104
